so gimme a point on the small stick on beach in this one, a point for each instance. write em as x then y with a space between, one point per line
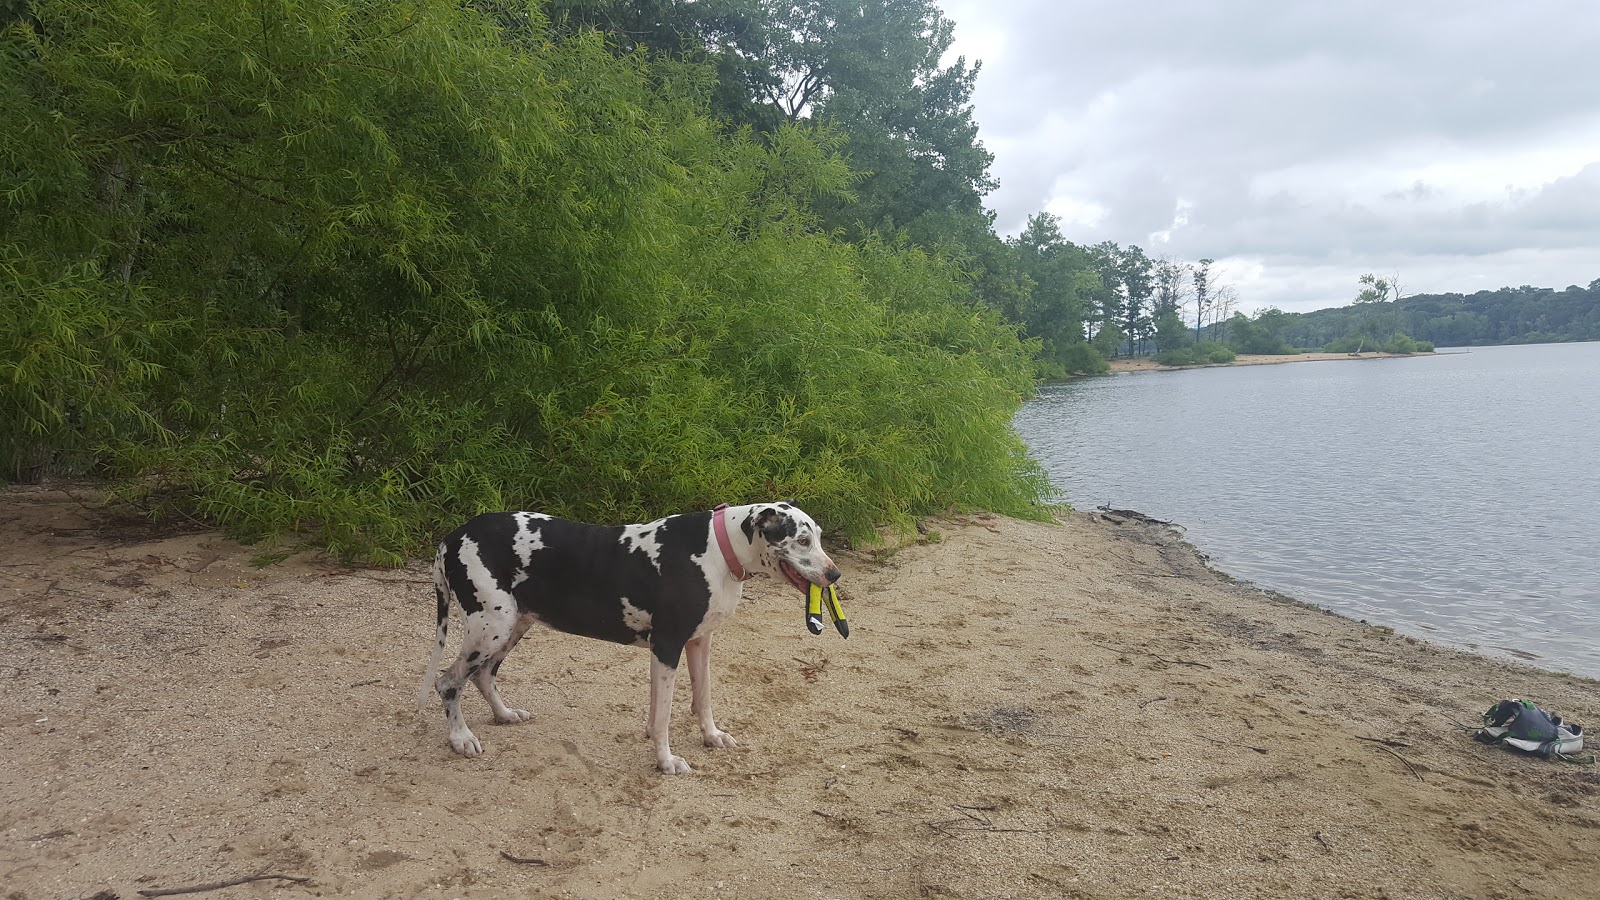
525 860
1224 743
1383 741
1404 760
1170 662
217 885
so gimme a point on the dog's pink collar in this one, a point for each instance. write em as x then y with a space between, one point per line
719 524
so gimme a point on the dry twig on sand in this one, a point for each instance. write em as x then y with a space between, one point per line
525 860
1384 741
1402 759
1171 662
217 885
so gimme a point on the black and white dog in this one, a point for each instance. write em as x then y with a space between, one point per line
664 585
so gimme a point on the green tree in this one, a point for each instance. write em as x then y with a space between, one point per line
1135 277
1108 339
1056 310
729 37
1168 276
872 77
1202 293
1374 321
875 73
1171 332
1263 334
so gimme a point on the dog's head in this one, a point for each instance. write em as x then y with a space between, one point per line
793 543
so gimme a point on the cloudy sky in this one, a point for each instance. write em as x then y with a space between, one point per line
1301 144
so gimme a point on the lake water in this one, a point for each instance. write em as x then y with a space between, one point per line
1453 497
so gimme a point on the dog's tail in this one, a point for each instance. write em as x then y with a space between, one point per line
441 593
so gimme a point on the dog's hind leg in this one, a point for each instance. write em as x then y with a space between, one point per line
699 653
441 593
486 635
485 678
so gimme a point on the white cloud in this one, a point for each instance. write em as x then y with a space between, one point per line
1302 144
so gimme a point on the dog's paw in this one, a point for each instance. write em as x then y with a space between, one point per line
673 765
466 743
716 737
512 717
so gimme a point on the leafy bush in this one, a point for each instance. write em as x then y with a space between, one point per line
1108 339
1259 335
358 270
1072 359
1395 343
1197 354
1171 333
1402 343
1350 343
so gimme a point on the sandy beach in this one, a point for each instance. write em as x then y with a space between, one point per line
1148 363
1080 709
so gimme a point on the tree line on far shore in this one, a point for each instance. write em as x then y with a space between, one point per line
1367 325
1380 319
1520 315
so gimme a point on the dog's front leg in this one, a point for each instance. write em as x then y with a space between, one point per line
699 650
663 678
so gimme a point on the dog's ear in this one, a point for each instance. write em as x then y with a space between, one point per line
793 502
774 524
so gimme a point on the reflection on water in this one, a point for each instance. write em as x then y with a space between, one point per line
1454 497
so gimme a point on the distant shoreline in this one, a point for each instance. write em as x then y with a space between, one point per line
1123 364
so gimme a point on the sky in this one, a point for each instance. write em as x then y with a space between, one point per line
1301 144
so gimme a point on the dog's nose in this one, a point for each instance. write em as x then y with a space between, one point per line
833 574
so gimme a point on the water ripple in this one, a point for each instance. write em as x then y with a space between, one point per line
1456 498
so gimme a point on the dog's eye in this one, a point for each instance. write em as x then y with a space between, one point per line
805 542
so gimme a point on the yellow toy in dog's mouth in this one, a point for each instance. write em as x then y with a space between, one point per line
818 596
